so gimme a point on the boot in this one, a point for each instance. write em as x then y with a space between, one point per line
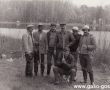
42 70
85 76
48 69
91 78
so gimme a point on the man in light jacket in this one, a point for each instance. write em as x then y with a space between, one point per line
28 50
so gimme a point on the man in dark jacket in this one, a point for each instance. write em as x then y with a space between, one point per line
51 44
74 46
66 67
64 39
87 46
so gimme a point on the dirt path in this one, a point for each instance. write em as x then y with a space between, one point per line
12 78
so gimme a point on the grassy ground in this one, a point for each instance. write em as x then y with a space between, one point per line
12 78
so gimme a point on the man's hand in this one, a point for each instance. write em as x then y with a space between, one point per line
63 60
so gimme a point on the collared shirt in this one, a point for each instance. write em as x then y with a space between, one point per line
27 43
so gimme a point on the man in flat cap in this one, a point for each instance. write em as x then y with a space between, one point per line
28 50
51 44
64 39
87 46
74 46
65 68
40 48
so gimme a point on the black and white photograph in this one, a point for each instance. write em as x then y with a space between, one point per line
54 45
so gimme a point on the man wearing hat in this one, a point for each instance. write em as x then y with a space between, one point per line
66 67
28 50
64 39
51 44
40 48
86 49
74 46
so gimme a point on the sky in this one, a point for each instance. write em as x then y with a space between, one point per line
91 2
81 2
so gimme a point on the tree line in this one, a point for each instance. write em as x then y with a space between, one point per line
52 11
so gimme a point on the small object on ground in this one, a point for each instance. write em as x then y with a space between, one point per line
3 56
10 60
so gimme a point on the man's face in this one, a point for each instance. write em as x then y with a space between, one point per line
75 32
86 31
66 53
30 29
40 28
53 28
63 28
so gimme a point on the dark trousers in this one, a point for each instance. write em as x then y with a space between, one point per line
86 64
60 72
76 60
50 54
29 64
59 56
38 59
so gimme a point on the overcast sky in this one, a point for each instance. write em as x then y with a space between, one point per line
86 2
91 2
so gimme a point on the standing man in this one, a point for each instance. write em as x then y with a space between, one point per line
74 46
40 41
28 50
51 42
86 48
64 39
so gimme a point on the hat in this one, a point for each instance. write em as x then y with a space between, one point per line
52 24
62 24
40 24
28 26
75 28
86 27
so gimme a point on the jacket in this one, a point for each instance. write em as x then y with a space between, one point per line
64 39
87 44
40 42
51 39
27 43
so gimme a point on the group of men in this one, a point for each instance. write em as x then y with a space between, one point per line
65 48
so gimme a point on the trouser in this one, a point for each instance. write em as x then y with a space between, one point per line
59 56
49 59
59 72
86 64
76 60
38 59
29 64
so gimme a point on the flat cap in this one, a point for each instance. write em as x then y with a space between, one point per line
52 24
62 24
75 28
86 27
40 24
30 25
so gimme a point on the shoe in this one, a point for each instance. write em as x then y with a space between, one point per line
92 83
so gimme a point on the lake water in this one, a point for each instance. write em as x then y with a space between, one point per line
102 38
